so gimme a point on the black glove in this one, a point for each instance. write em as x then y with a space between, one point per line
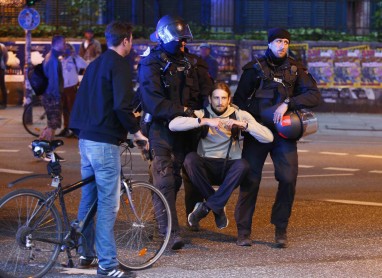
54 168
190 112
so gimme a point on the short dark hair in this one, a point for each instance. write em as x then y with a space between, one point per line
223 86
116 31
57 39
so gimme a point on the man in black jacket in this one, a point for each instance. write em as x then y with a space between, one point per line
101 117
172 81
268 87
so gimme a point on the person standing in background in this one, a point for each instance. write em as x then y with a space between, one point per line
71 65
3 65
51 99
90 48
205 53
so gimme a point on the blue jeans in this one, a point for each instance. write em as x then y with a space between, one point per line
103 161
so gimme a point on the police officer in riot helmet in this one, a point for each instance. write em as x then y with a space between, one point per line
268 88
173 83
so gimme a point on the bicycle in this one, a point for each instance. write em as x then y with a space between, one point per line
33 233
34 117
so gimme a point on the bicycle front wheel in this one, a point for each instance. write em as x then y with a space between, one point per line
30 233
143 226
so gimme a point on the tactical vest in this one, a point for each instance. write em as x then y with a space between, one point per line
180 79
275 85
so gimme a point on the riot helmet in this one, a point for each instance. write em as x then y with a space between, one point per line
171 28
294 124
297 124
290 127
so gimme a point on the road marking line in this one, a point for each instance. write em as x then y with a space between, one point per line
302 151
376 171
10 171
9 151
350 202
314 176
369 156
341 169
332 153
77 271
305 166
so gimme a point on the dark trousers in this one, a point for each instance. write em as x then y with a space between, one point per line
205 172
191 193
283 153
4 95
166 177
68 97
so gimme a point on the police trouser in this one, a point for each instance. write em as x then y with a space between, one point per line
168 154
166 177
283 153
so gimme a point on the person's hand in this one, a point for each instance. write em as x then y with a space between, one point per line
212 122
230 122
141 141
279 113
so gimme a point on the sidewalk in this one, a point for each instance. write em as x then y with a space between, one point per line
354 124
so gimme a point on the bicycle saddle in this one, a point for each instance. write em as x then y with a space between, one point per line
39 147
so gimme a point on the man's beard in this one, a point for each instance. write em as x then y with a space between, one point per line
218 112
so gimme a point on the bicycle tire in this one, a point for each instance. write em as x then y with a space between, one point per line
34 118
141 242
21 216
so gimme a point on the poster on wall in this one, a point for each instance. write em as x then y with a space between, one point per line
371 67
320 65
15 64
347 68
224 53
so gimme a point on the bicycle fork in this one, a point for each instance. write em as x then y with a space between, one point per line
129 189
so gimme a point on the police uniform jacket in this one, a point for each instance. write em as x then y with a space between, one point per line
168 84
264 85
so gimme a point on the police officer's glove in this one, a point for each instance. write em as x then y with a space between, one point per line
189 112
54 168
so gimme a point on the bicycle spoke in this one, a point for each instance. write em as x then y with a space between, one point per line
29 234
139 239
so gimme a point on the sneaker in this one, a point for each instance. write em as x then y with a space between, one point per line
281 238
200 211
193 228
177 242
115 272
221 219
243 241
85 262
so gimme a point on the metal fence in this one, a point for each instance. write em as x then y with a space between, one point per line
238 16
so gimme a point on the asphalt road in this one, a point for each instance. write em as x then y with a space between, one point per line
336 225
